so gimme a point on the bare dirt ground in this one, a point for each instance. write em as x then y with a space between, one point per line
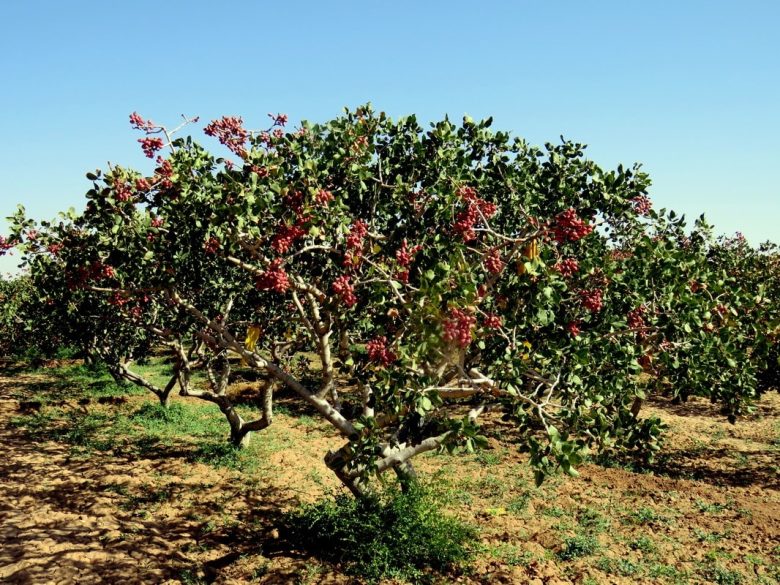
709 512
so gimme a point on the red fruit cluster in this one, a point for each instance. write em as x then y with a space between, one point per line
122 191
54 249
138 123
275 278
458 327
646 361
211 246
567 267
150 145
165 171
344 288
323 197
293 200
635 318
493 262
492 321
157 222
619 255
118 299
229 130
378 351
142 184
569 227
573 328
404 255
591 300
476 209
261 172
354 243
279 119
285 237
642 204
5 245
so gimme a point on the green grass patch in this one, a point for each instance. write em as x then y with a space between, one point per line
395 535
577 546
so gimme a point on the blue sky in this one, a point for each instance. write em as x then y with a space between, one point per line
690 89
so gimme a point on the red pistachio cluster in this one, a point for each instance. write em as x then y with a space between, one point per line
642 204
458 327
476 209
285 236
323 197
591 300
118 299
379 353
211 246
404 255
123 191
165 171
493 262
569 227
573 328
567 267
138 123
5 245
229 130
151 145
344 288
492 321
275 278
635 318
261 172
279 119
354 243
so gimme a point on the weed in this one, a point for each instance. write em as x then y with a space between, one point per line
394 535
554 512
645 515
705 536
722 576
487 457
657 570
643 544
622 567
218 455
710 507
592 521
519 504
578 546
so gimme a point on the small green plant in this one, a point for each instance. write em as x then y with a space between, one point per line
722 576
393 535
519 504
645 515
554 512
705 536
578 546
218 455
622 567
644 544
592 521
710 507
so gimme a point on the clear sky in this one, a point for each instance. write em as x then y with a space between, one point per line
691 89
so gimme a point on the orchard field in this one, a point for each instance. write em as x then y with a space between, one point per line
94 493
367 351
